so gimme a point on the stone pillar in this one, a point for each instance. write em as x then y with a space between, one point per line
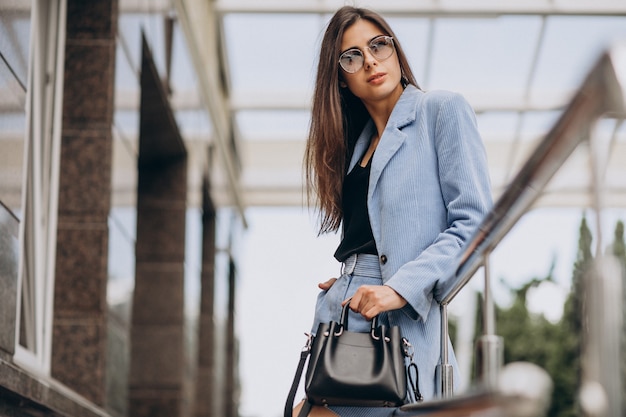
156 380
231 397
204 400
79 318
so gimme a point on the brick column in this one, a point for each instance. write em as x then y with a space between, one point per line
231 398
156 380
79 318
204 400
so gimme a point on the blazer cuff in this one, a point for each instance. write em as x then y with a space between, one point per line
411 309
410 312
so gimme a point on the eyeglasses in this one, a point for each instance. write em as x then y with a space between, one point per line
381 47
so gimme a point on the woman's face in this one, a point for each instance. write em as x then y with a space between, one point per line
378 80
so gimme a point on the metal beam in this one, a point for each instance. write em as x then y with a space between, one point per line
481 101
433 8
200 25
405 8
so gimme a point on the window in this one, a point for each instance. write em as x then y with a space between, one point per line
40 187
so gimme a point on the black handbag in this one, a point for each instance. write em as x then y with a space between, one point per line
355 369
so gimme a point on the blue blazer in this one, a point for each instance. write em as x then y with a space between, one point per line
429 190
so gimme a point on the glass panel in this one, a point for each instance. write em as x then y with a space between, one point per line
127 124
497 126
572 45
194 124
183 76
121 266
265 57
121 281
537 124
413 36
126 73
468 54
130 28
275 125
14 40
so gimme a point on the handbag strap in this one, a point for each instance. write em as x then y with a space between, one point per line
412 371
414 382
296 381
306 408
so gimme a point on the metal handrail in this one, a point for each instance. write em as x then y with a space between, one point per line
603 93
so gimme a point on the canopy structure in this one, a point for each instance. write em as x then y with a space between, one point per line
518 63
241 75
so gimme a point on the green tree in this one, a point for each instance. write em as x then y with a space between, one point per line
532 338
619 251
572 313
571 328
556 347
619 247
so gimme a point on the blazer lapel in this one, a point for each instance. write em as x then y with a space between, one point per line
404 113
361 144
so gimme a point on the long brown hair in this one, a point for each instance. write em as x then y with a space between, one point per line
337 118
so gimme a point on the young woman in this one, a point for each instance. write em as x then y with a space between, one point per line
403 173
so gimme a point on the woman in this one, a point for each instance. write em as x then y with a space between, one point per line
403 172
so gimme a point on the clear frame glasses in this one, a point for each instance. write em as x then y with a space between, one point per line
381 48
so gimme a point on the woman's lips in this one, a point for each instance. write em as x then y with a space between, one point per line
376 78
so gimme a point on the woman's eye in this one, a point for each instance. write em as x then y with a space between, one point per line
378 43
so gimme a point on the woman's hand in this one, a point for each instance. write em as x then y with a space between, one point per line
326 285
370 300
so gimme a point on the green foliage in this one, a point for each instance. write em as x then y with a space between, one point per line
619 246
556 347
552 346
619 251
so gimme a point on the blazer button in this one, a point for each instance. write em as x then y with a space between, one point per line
383 259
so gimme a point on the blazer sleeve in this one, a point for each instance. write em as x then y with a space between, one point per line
466 192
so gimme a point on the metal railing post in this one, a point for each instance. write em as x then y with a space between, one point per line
489 349
444 372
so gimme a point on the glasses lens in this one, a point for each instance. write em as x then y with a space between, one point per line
382 47
351 61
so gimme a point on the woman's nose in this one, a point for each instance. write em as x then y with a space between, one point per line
368 59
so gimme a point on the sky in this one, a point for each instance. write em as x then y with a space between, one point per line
282 260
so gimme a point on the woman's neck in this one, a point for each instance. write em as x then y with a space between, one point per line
380 111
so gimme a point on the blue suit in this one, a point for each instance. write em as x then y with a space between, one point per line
429 189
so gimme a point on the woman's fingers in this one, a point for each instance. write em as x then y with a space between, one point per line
371 300
326 285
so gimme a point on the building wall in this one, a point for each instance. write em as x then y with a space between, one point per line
98 226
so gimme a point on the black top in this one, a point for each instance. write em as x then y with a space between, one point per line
357 231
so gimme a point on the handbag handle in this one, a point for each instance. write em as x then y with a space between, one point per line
343 321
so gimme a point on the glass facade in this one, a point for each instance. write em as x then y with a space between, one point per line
14 53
